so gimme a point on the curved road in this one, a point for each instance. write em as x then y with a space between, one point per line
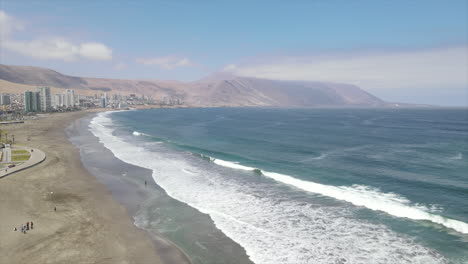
37 156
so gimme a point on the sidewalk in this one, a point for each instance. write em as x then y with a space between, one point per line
37 156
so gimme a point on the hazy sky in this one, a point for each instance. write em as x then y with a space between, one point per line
407 51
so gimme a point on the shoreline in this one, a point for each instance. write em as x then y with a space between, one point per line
89 226
125 193
199 238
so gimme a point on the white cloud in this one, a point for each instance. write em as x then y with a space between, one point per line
165 62
56 48
442 67
8 24
95 51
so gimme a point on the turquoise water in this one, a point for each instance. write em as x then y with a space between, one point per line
311 185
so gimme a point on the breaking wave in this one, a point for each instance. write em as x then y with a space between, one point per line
272 229
459 156
136 133
360 195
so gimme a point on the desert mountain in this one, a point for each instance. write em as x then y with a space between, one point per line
224 90
37 76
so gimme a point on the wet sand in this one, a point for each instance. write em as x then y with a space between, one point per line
89 226
151 207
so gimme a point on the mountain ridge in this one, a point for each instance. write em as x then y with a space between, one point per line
224 90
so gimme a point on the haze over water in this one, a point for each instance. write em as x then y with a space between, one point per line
311 186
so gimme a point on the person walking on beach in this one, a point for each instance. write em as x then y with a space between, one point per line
145 183
23 229
32 225
27 225
55 208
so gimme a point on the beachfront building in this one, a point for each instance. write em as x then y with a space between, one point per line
44 99
69 100
57 101
31 102
5 99
103 102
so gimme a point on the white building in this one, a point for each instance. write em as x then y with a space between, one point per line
103 102
57 101
44 98
69 100
5 99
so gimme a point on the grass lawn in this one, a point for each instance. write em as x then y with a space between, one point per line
20 157
19 151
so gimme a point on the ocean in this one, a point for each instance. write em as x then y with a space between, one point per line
304 185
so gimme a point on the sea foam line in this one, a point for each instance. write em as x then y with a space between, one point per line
247 220
359 195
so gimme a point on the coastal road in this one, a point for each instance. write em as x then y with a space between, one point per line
37 156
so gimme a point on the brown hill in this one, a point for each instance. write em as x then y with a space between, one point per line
253 91
220 91
39 76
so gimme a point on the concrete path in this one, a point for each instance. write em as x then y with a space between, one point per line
37 156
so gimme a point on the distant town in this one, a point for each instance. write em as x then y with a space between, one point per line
18 106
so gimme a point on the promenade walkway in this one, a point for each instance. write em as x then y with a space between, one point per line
37 156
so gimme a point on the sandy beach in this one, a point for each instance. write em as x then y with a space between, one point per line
88 226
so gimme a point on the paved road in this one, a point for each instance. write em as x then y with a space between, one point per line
37 156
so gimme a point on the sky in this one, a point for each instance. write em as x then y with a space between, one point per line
401 51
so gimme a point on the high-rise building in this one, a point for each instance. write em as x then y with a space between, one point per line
69 98
44 99
57 101
36 102
27 101
103 102
32 102
5 99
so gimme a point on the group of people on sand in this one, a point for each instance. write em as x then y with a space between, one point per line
25 227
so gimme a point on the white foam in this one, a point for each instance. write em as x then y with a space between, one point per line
272 228
189 172
459 156
373 199
231 165
321 156
361 195
138 134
